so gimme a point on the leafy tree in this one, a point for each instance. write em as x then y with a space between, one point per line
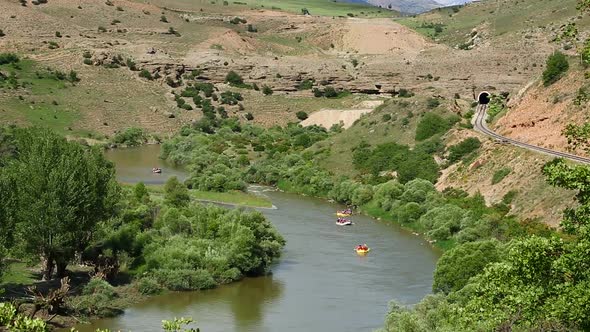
301 115
140 192
561 174
463 148
578 136
176 193
266 90
61 191
234 78
557 66
7 58
458 265
432 124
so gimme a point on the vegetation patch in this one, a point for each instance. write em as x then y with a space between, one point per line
500 174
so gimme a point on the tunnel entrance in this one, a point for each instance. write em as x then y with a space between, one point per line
484 98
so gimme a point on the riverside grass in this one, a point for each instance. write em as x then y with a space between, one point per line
234 197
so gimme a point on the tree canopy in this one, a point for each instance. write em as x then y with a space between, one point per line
60 191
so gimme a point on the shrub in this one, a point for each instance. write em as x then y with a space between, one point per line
7 58
182 280
430 125
432 103
88 62
2 34
130 137
318 93
144 73
405 93
266 90
102 29
557 66
237 20
131 64
175 193
386 117
99 287
500 174
163 19
249 116
58 34
462 149
234 79
306 84
301 115
457 265
172 31
148 286
251 28
119 8
330 92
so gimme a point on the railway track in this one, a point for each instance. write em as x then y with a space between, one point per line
479 124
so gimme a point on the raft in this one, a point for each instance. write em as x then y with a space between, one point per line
362 252
344 223
340 214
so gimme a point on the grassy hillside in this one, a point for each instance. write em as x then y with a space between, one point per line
493 17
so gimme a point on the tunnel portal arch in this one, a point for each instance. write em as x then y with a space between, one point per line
483 98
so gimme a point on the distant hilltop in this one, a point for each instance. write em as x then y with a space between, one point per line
412 6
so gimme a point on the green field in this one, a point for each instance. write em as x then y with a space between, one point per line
315 7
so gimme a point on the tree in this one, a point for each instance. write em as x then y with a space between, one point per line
176 193
301 115
560 174
267 90
140 192
578 136
557 66
61 191
458 265
234 78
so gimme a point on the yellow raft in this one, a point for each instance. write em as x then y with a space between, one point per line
362 251
340 214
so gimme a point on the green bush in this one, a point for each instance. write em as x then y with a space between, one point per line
234 79
386 117
144 73
405 93
148 286
557 66
462 149
500 174
432 124
99 287
131 137
7 58
183 280
266 90
306 84
301 115
432 103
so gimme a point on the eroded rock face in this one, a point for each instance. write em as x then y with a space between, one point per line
264 75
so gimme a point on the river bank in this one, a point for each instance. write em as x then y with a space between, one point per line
399 266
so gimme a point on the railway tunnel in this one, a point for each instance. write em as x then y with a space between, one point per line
483 98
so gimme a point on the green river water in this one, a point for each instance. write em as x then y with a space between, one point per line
319 284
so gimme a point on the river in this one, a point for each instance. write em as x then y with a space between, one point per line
319 284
